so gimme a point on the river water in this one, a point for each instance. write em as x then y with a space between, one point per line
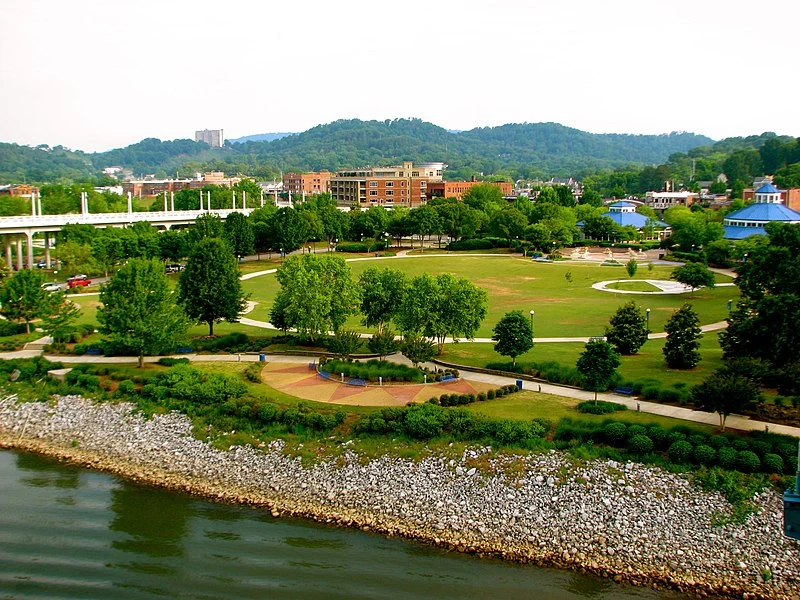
69 532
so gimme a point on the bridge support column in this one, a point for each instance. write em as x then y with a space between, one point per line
29 240
47 249
19 253
9 262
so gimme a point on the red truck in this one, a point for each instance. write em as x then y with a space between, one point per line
78 280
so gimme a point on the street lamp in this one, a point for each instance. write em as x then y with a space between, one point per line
647 317
730 304
532 313
744 257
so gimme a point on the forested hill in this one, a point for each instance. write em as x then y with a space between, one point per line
517 150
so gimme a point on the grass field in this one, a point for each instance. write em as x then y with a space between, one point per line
560 293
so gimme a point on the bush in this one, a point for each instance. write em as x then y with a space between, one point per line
126 388
717 441
477 244
490 395
168 361
680 451
253 372
704 455
640 444
601 407
747 461
675 436
636 430
423 421
726 457
773 463
657 434
614 433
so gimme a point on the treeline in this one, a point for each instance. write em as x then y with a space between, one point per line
528 151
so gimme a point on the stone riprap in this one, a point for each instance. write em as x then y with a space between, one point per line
623 520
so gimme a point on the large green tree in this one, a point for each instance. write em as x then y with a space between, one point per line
289 228
22 297
513 334
382 293
238 232
317 293
597 364
139 313
441 307
58 316
681 349
209 289
627 330
726 392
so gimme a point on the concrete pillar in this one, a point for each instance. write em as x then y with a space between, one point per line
33 204
47 249
201 199
9 262
19 253
262 197
172 201
244 199
130 203
39 202
165 200
233 199
208 199
29 240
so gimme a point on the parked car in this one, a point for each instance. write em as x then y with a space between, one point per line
174 268
42 264
78 280
52 287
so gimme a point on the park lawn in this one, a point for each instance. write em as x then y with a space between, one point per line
648 363
565 304
528 405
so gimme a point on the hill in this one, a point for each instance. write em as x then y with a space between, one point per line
259 137
526 150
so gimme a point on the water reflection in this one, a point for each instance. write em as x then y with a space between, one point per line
154 520
47 472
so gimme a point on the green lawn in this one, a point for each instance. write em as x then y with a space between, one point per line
633 286
565 305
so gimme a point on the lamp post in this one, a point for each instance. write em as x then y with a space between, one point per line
532 313
647 317
730 304
744 257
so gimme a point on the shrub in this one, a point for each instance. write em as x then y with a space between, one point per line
726 457
601 407
680 451
126 388
640 444
253 372
717 441
740 444
657 434
747 461
651 392
477 244
490 395
773 463
675 436
423 421
481 396
615 432
636 430
704 455
168 361
761 448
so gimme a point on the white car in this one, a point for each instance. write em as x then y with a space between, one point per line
52 287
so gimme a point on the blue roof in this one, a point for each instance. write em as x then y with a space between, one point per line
768 188
632 218
739 233
765 212
622 204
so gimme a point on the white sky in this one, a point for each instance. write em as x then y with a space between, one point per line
100 74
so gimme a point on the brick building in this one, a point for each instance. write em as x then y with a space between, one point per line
404 185
457 189
307 183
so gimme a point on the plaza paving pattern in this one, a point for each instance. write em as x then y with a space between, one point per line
304 382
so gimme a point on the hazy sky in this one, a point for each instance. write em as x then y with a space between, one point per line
100 74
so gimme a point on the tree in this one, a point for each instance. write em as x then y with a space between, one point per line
598 365
383 343
289 228
513 334
22 297
209 289
683 339
238 232
424 221
416 348
508 224
344 343
695 275
139 313
592 198
442 306
382 293
627 330
58 316
317 293
207 225
726 392
631 267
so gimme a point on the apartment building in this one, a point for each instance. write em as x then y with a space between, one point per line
307 183
457 189
212 137
403 185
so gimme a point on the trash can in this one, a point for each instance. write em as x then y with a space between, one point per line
519 384
262 357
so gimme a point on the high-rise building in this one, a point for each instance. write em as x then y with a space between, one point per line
212 137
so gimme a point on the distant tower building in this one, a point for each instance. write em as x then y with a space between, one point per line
212 137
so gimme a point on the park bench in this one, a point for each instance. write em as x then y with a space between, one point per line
94 351
625 391
448 378
183 349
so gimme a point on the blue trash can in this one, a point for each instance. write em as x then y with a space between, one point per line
262 357
519 384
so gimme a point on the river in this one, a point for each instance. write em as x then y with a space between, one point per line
70 532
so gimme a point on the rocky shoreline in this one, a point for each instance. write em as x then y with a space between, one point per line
631 522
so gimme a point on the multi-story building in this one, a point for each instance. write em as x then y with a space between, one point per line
212 137
22 190
150 187
307 183
664 200
405 185
457 189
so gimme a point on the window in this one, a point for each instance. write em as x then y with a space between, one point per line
389 193
389 184
373 184
373 192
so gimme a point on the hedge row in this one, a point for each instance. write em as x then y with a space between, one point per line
426 421
462 399
372 370
362 246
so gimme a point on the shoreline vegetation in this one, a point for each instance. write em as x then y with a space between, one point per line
628 522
